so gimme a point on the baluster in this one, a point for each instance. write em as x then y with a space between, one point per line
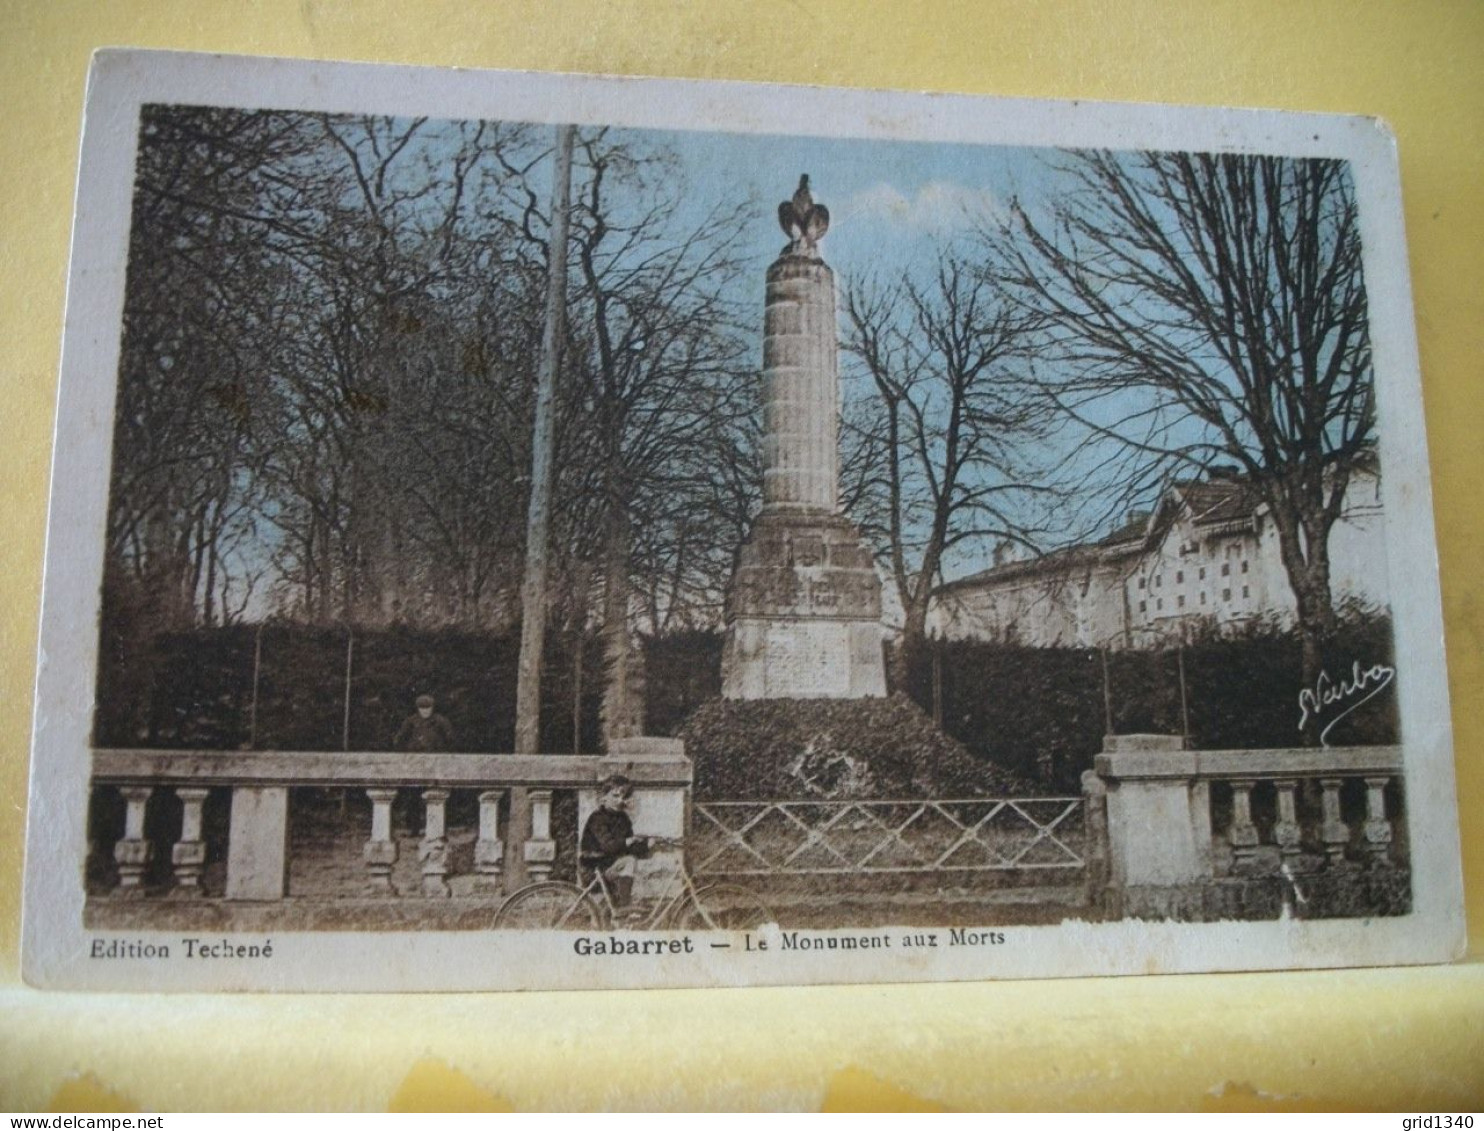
1377 829
433 851
1334 832
189 853
380 852
1286 831
133 853
489 849
540 850
1243 835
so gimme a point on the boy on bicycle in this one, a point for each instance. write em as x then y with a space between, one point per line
608 845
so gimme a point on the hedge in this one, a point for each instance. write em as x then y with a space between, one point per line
1037 712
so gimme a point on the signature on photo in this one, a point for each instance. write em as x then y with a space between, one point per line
1362 685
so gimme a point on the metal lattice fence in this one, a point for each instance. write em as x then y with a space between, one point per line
771 838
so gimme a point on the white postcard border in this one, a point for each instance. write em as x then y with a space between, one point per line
56 945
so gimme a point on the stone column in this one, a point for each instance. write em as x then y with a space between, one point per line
1159 823
189 853
1377 829
1333 832
1095 821
801 387
489 849
258 850
133 852
517 832
432 853
1286 830
1243 835
380 852
540 850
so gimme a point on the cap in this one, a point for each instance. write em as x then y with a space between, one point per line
424 700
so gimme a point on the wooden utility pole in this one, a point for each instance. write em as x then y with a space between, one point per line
538 518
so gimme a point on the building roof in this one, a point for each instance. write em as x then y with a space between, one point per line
1135 529
1223 499
1227 499
1068 557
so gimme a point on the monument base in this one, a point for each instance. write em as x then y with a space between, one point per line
804 612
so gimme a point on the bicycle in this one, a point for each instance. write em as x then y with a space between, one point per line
681 906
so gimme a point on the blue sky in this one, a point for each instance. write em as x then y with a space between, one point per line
891 203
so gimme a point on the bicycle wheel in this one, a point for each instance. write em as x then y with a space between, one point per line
722 907
552 906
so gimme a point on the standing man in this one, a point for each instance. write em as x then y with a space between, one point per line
424 732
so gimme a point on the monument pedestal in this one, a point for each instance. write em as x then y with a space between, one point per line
804 612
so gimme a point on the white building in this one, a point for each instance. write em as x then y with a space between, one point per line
1206 558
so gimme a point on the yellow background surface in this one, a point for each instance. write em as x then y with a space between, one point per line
1406 1039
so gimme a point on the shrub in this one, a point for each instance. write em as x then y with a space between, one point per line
839 748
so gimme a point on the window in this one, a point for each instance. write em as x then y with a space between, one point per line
1203 573
1203 596
1244 567
1180 602
1226 569
1160 604
1179 577
1141 583
1159 580
1246 592
1226 594
1143 606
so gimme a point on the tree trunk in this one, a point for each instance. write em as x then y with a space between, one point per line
910 648
1303 544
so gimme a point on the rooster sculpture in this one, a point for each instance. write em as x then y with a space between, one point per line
803 221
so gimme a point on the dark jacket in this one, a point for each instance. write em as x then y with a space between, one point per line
605 838
424 736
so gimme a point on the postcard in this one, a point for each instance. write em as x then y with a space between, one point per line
519 531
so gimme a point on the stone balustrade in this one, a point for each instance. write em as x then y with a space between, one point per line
261 783
1180 822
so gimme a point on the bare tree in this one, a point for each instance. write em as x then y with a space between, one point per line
327 335
201 338
325 400
657 347
1211 307
939 453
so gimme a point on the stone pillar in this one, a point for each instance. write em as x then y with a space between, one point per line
258 851
801 387
432 853
380 852
133 852
489 850
1095 821
1377 829
1333 832
189 853
540 850
1159 822
1286 830
517 832
1243 835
